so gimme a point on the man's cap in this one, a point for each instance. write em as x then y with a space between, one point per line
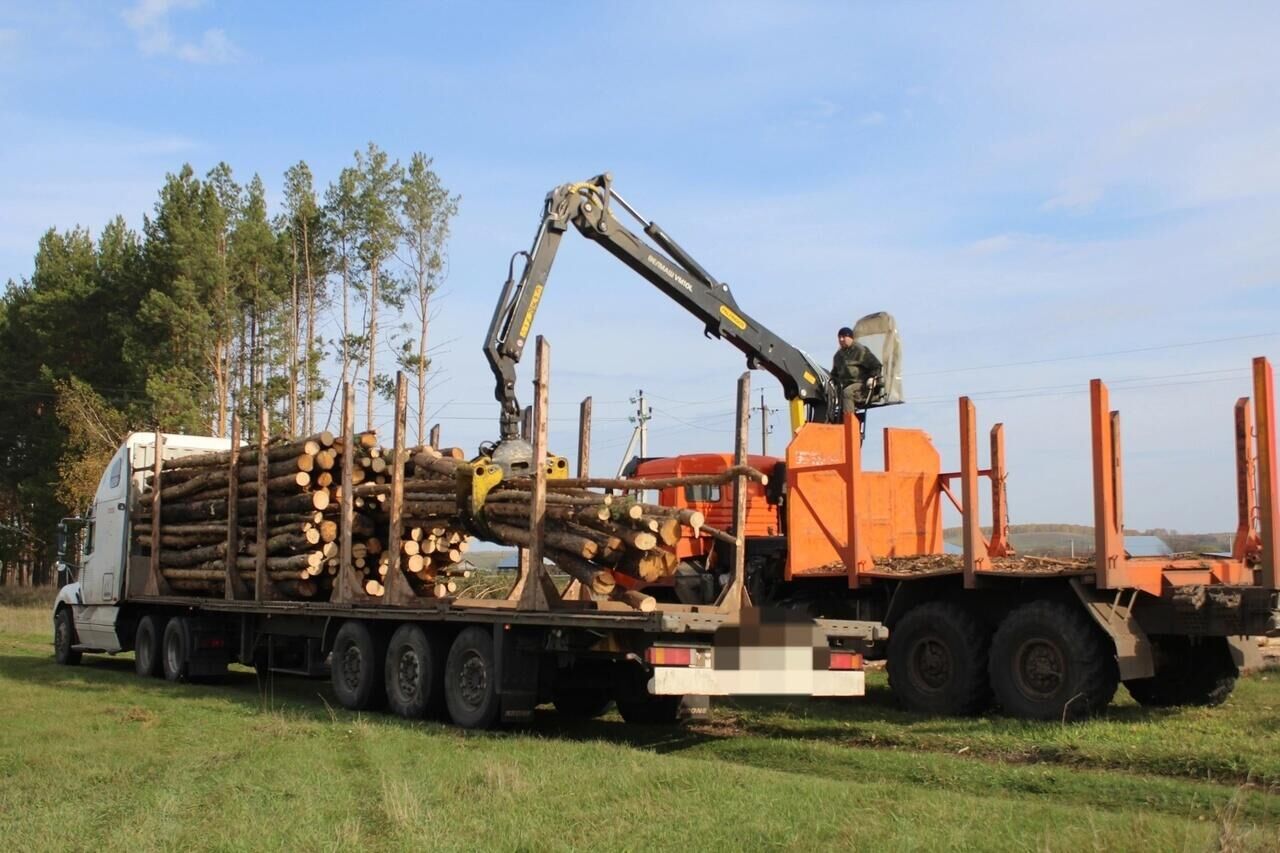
845 332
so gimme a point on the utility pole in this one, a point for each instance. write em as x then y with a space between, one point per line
641 419
765 429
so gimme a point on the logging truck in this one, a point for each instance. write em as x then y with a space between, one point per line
198 553
1040 638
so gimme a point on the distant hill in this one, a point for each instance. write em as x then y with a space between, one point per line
1058 540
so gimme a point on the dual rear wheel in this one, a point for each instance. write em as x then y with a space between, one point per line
1046 660
413 676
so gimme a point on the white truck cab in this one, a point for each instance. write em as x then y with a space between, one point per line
93 597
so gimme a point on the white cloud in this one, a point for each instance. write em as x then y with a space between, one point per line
149 20
871 119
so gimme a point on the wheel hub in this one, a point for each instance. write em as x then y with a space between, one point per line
473 680
408 673
1039 668
931 664
351 666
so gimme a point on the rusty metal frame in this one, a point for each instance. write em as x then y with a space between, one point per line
156 584
536 590
1000 544
234 586
734 597
396 589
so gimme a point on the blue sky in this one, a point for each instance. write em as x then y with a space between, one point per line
1093 188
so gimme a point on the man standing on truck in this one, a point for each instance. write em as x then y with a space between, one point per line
854 371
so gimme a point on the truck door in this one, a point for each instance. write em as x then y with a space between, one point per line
105 536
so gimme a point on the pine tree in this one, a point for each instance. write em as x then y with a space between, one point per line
427 209
379 231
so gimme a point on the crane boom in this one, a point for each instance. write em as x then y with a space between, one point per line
588 207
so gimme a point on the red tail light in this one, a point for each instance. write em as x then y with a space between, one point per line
845 660
669 656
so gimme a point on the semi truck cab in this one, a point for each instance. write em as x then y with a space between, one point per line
93 596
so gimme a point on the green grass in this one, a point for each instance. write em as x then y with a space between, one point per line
92 757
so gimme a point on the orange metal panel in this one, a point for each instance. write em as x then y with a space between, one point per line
899 511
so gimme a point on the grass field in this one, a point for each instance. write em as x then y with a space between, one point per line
92 757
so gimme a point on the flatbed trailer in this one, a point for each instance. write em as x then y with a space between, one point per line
483 661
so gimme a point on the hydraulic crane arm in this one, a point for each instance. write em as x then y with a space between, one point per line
587 206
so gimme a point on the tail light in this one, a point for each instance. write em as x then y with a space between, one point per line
669 655
845 660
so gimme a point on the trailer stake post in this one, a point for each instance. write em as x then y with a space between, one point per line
347 590
999 546
735 596
156 584
534 594
975 547
397 589
1108 547
1246 545
233 586
1264 394
584 438
260 590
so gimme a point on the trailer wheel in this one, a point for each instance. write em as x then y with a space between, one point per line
176 649
64 637
413 674
147 655
471 680
937 660
356 668
1050 662
1187 673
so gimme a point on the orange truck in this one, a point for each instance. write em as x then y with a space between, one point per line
1039 638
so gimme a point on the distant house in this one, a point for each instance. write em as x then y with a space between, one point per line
1146 546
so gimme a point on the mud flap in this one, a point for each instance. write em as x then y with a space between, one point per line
518 654
1134 656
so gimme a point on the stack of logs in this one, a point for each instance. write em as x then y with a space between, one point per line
609 543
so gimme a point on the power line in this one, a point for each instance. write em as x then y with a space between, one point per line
1095 355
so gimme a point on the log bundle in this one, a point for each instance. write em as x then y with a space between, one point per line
195 495
610 543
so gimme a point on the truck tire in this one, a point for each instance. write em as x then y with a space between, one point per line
1049 661
414 676
471 680
937 660
176 649
147 654
1187 673
64 637
356 668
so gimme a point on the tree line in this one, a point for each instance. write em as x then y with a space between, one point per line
217 306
